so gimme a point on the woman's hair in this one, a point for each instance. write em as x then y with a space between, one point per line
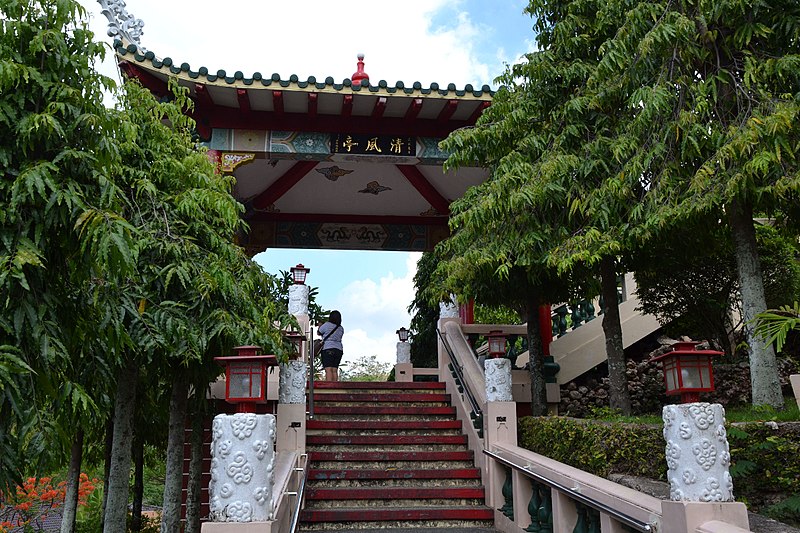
336 318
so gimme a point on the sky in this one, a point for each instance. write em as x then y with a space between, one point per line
442 41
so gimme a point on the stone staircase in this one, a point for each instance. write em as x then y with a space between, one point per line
389 455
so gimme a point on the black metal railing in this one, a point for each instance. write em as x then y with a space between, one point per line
476 413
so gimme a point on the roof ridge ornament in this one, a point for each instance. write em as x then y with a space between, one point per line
121 24
359 74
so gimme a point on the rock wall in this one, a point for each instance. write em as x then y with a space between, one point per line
646 384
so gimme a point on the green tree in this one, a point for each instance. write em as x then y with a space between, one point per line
425 316
365 368
56 148
709 100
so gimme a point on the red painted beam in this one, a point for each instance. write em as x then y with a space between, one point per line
473 118
277 103
448 110
413 110
266 120
312 105
420 182
380 107
203 98
153 84
244 101
333 218
347 106
283 184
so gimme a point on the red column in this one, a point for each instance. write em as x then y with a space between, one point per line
546 327
215 156
466 312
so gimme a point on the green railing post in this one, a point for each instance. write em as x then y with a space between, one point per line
533 508
508 493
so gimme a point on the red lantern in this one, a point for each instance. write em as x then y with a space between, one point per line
497 344
299 274
687 371
246 377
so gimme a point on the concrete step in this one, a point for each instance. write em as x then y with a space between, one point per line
349 441
383 425
378 386
342 474
405 398
383 455
324 494
393 410
406 518
419 530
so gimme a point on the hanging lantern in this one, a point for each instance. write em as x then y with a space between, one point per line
246 377
497 344
299 274
688 371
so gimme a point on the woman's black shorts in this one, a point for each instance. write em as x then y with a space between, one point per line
331 358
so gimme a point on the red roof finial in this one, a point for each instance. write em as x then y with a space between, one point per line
359 74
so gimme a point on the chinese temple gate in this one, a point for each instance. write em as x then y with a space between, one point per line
320 164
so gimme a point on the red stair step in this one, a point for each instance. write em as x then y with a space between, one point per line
382 515
383 424
386 439
390 456
385 397
394 493
382 410
379 385
444 473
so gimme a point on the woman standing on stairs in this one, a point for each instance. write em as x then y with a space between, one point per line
332 349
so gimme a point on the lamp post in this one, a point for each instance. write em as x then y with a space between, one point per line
497 344
299 274
295 338
402 334
246 377
687 371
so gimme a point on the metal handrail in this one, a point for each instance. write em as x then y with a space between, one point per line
457 369
311 377
629 521
300 493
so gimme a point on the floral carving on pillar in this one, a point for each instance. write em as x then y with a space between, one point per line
243 458
298 299
292 386
697 453
498 380
403 352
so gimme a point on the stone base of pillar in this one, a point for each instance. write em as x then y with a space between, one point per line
685 517
238 527
404 372
499 425
291 427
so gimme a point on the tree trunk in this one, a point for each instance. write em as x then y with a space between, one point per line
109 443
120 470
70 509
764 379
138 483
195 476
618 395
536 361
171 513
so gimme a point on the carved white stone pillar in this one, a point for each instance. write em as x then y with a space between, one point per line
403 352
498 380
298 299
698 455
448 309
242 461
292 387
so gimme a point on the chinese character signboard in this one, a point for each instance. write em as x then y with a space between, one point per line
391 145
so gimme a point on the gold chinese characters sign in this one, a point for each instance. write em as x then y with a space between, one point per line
391 145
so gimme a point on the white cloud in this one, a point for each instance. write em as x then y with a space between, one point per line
375 309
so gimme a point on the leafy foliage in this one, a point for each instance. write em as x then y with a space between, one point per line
775 325
365 368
